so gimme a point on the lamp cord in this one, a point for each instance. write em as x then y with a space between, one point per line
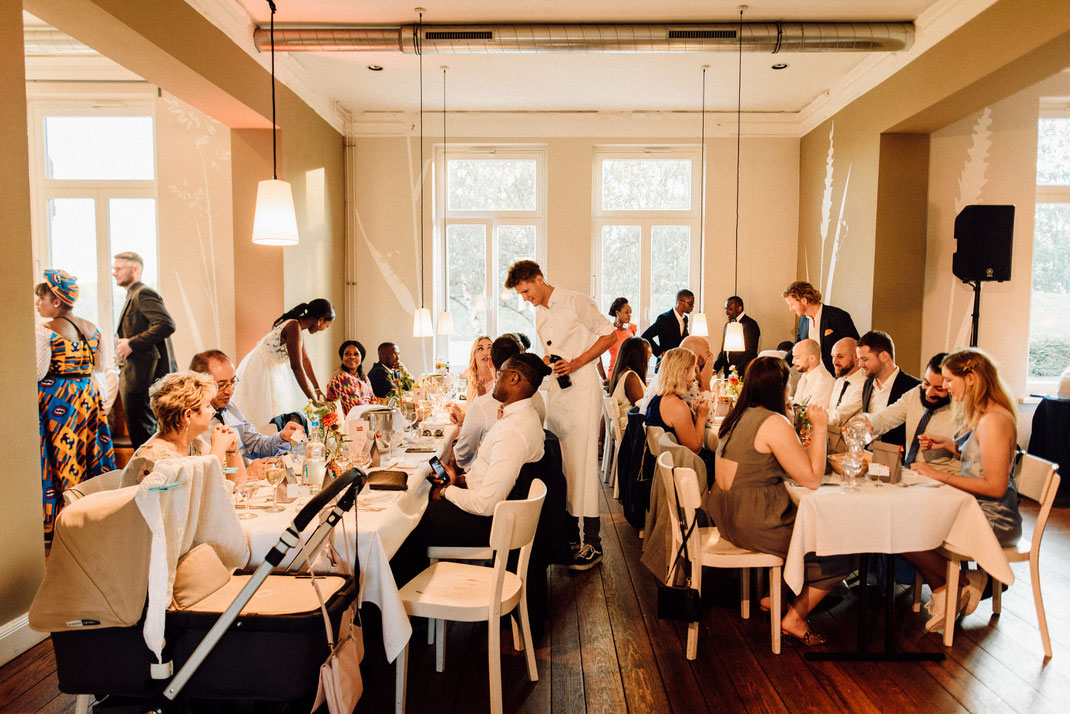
739 110
420 173
702 197
274 157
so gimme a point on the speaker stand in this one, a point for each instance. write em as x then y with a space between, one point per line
976 311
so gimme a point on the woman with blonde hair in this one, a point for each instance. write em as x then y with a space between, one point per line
669 411
182 405
986 443
480 373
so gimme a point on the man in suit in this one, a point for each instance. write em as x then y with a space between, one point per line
144 349
386 370
671 327
824 323
733 310
885 382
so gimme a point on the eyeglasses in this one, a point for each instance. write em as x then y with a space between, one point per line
228 383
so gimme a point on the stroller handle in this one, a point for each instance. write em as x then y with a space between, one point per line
321 499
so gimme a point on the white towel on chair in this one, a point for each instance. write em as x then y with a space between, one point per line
199 510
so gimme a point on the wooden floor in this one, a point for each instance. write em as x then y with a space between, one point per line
604 650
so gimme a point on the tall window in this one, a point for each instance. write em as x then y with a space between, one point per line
1049 330
94 196
492 212
646 228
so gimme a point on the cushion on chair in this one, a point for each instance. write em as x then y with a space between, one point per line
457 591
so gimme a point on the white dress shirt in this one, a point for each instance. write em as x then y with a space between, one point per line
679 319
879 399
815 325
481 415
908 410
514 440
815 386
842 408
251 443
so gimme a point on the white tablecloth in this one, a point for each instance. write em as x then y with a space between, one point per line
381 533
890 519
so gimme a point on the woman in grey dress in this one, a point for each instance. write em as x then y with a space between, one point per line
758 450
986 443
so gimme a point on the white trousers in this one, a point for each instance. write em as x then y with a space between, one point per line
572 415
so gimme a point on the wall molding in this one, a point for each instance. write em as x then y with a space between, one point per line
16 637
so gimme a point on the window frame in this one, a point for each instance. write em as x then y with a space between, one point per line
642 313
491 219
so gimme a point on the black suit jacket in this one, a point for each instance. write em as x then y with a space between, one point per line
665 334
148 326
903 383
751 334
835 325
382 379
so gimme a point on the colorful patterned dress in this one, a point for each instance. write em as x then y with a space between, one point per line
352 390
75 438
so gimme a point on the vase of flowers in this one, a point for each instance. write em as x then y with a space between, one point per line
402 383
802 422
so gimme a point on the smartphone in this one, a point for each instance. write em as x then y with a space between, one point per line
438 475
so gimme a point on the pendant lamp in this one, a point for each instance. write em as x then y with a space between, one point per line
421 319
699 326
274 221
733 336
445 323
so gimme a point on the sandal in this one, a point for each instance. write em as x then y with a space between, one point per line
809 638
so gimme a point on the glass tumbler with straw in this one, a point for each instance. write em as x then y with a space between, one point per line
275 474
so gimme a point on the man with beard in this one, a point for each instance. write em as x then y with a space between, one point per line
846 398
885 382
924 409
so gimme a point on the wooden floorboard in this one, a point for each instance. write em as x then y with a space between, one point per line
604 649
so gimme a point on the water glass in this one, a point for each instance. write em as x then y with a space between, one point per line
245 491
853 462
275 475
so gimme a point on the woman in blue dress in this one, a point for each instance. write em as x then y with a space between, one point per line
75 438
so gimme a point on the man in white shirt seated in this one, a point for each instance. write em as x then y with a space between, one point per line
925 409
885 382
845 401
704 374
252 445
459 512
815 385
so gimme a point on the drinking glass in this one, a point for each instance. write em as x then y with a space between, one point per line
275 474
408 413
245 490
853 461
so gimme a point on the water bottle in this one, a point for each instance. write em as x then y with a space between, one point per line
315 466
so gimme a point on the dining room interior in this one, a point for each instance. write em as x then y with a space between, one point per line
641 149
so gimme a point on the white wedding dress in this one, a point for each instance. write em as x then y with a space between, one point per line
266 385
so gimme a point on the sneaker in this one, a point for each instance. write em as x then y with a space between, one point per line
574 547
972 588
586 558
937 609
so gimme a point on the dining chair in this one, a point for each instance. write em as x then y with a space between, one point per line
1039 481
611 446
708 549
465 592
107 481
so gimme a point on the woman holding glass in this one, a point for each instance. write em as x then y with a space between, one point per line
669 411
758 449
986 443
480 373
349 385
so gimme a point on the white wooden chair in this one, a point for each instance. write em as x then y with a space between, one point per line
475 593
107 481
707 548
611 445
1039 481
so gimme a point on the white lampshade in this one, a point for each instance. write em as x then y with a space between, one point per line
698 327
275 222
421 323
445 323
733 338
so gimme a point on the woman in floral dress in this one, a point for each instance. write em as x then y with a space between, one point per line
349 383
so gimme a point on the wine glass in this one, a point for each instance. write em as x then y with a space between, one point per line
275 474
245 490
408 413
852 463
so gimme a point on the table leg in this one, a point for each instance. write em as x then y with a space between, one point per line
863 600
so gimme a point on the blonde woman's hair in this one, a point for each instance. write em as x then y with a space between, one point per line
988 387
172 395
472 371
674 373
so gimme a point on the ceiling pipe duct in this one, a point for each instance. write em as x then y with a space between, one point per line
771 37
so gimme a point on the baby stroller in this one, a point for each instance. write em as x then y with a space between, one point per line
259 637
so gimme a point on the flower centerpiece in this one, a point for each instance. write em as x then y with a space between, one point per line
401 384
733 385
329 416
802 422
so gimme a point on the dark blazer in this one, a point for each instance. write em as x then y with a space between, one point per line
382 379
903 383
751 334
665 334
148 326
835 325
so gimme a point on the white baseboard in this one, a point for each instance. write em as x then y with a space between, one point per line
16 637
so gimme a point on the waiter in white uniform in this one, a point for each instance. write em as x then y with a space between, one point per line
574 333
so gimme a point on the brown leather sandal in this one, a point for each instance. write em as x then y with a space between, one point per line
809 638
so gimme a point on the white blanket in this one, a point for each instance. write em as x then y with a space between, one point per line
185 503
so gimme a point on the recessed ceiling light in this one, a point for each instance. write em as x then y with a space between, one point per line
780 65
379 67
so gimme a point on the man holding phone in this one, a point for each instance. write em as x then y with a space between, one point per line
461 507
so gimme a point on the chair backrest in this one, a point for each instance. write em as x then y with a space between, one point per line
653 437
681 482
683 457
107 481
611 411
1039 480
514 522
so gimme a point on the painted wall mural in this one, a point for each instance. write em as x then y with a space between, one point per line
840 235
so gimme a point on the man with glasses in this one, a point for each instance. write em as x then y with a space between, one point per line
671 327
253 445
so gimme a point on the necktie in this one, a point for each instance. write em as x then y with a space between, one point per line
685 326
219 414
912 453
843 391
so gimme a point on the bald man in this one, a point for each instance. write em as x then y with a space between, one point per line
706 368
815 385
846 398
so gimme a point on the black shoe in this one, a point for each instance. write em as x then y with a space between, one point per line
586 558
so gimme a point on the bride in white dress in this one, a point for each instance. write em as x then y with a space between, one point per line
276 377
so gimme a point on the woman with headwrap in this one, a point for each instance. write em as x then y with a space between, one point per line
75 438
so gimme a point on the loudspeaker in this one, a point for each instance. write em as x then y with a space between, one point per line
984 237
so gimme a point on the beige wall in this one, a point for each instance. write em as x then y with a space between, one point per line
22 562
385 212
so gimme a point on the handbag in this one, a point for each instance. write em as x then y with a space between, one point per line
679 602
